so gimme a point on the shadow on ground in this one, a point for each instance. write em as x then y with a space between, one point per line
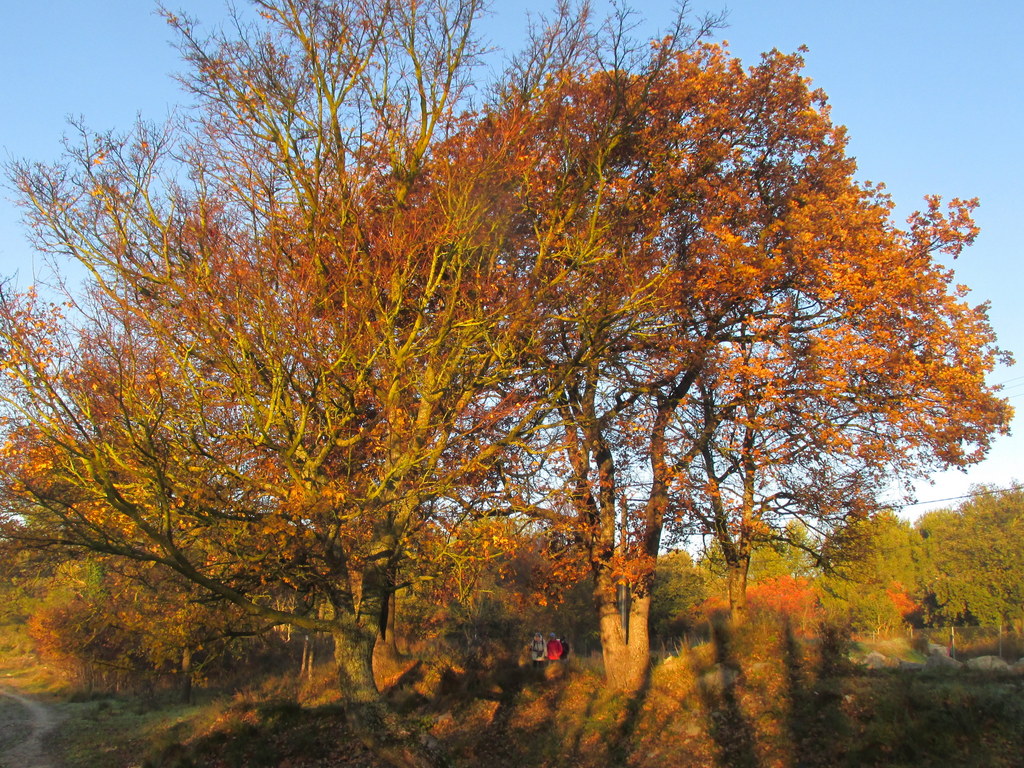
747 699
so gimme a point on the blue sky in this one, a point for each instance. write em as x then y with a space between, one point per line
932 92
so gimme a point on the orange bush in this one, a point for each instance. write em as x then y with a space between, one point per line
788 596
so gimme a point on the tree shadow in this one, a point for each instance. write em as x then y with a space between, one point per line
505 716
622 735
562 715
731 731
816 724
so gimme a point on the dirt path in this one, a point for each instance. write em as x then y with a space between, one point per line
28 750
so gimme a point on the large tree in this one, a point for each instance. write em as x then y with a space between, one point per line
849 374
749 335
297 329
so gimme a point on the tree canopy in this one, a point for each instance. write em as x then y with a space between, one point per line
976 559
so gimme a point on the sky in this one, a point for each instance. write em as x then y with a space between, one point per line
931 91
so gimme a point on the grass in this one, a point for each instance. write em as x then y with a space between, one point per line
757 699
115 732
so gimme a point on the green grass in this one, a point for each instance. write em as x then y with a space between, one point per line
114 732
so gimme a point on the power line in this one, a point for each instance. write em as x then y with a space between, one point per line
956 498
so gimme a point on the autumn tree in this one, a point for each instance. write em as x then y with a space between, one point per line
829 393
113 624
747 336
853 359
331 311
295 341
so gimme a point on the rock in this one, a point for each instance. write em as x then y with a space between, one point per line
942 661
1018 666
876 660
988 664
934 649
911 664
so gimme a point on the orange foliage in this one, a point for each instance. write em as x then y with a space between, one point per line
789 596
901 601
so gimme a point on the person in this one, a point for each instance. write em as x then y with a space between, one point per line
538 650
554 648
565 648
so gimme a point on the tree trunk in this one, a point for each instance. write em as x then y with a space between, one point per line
306 666
626 650
353 653
737 580
365 711
388 662
186 675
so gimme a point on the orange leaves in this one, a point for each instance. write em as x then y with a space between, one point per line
343 331
632 567
902 603
787 596
934 231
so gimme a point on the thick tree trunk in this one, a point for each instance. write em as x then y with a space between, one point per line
737 580
626 649
366 713
353 653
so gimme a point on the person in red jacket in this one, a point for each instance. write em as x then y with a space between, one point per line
554 648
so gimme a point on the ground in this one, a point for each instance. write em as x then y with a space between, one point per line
762 701
25 724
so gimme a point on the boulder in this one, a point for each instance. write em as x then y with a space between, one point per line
988 664
934 649
876 660
942 661
911 664
1018 666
